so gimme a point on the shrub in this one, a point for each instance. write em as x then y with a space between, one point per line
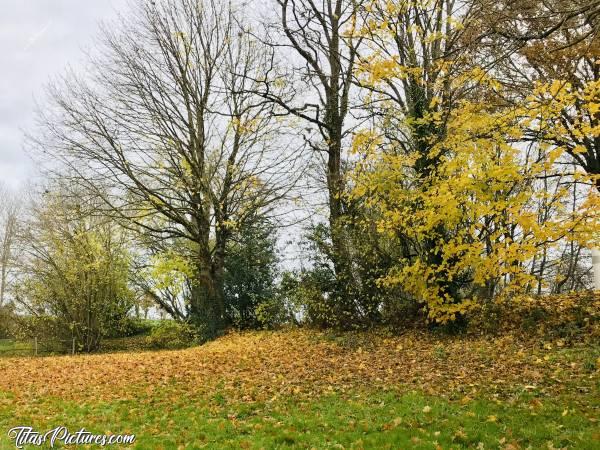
305 295
249 279
274 313
43 327
7 322
53 336
170 334
400 311
130 326
566 316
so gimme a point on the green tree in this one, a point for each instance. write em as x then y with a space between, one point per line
250 273
76 271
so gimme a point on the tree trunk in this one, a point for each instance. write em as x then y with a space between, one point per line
344 299
596 266
5 254
207 309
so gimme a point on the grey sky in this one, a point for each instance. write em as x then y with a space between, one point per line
38 39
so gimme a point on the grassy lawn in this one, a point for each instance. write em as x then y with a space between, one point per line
362 419
9 347
309 390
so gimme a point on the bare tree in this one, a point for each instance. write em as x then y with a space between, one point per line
167 125
8 229
323 39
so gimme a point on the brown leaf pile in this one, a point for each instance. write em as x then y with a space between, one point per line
266 365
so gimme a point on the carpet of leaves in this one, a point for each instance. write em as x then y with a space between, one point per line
262 366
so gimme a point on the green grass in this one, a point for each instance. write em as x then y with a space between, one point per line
9 347
367 419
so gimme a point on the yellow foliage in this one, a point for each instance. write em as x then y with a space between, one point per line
170 271
482 193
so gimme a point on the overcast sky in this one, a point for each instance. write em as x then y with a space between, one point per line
38 39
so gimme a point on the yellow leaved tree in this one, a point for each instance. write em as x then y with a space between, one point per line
451 170
487 206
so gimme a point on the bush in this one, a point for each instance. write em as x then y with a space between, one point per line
170 334
52 335
571 316
130 326
43 327
304 295
7 322
400 311
250 272
274 313
354 298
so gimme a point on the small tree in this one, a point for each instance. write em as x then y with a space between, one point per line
76 271
9 212
165 277
250 272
